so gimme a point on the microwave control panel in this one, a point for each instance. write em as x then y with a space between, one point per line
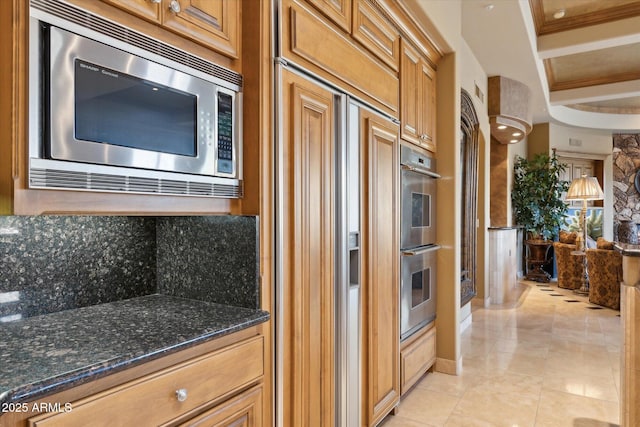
225 133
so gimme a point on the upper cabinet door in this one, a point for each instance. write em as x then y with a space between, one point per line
339 11
215 23
409 94
376 33
428 102
417 98
143 8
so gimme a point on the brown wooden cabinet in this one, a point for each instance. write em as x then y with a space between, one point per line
244 410
339 11
308 253
376 33
147 9
417 355
178 392
213 23
381 385
417 98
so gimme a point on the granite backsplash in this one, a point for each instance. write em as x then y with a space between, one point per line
55 263
211 259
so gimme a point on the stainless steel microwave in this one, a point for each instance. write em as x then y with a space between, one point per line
114 110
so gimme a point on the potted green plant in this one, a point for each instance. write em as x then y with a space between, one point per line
538 207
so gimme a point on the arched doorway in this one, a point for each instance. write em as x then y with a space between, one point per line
468 220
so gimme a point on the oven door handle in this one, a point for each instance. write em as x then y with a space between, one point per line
420 171
420 251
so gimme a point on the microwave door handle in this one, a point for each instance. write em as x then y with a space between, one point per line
420 171
420 251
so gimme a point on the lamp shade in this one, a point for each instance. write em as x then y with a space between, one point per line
585 188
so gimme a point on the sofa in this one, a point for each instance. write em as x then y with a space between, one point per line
605 274
569 266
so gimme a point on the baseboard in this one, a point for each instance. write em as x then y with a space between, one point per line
448 366
466 322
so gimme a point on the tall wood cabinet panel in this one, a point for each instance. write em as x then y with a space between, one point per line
308 254
417 98
381 388
339 11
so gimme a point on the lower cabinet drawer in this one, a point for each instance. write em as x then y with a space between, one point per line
416 357
244 410
165 395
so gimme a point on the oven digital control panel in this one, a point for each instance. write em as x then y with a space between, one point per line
225 133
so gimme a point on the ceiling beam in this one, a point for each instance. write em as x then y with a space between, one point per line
600 36
595 93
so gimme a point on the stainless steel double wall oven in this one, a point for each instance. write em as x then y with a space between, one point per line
417 240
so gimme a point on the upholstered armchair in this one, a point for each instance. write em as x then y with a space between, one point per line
605 275
569 267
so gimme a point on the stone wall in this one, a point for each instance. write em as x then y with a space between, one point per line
626 164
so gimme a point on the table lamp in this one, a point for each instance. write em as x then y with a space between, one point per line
584 188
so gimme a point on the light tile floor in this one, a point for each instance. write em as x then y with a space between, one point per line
536 360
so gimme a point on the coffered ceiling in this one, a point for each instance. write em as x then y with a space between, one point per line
586 45
580 58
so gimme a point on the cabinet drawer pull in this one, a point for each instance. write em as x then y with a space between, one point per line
175 6
155 1
181 394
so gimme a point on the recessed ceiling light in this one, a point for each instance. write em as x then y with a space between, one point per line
489 7
559 14
516 134
513 140
501 127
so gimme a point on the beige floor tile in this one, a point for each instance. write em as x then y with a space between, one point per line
525 364
397 421
558 409
535 349
582 385
597 366
536 360
427 406
510 383
459 421
501 409
455 385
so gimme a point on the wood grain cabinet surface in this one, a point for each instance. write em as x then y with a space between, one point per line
174 393
244 410
339 11
213 23
417 98
417 355
381 388
308 270
376 33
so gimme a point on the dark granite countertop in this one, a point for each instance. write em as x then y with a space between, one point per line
45 354
627 249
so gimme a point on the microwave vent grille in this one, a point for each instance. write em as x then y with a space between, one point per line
76 180
111 29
